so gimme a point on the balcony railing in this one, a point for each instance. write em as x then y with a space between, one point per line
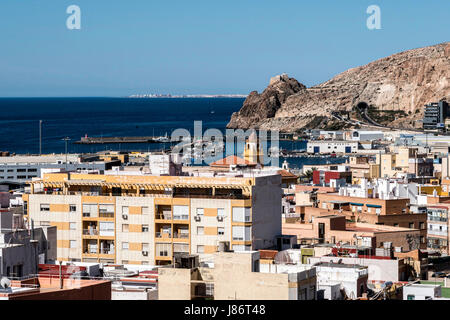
161 216
90 232
431 218
106 251
217 196
181 217
181 235
106 214
163 235
438 233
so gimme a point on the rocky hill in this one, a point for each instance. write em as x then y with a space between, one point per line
400 84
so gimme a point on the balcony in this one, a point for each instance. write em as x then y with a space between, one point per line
106 214
90 232
107 251
439 219
164 216
181 218
437 233
163 235
91 251
183 237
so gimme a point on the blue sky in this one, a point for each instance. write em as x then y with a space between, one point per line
199 46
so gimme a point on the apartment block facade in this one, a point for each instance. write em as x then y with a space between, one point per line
148 219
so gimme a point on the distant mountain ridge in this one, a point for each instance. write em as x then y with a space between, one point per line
402 82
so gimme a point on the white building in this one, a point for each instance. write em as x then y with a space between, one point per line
334 146
164 164
385 189
352 278
359 135
421 292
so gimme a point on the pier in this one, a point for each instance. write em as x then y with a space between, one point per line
107 140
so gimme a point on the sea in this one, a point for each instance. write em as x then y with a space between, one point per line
116 117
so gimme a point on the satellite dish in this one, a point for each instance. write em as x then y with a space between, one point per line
5 283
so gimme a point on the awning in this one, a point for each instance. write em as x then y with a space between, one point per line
373 206
356 204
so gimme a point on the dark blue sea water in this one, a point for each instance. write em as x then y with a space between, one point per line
96 117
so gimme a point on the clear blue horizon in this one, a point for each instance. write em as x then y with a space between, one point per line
199 47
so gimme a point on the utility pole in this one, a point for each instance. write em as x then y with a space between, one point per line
66 139
40 137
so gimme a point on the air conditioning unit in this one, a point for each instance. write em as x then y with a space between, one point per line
125 217
220 218
197 218
145 253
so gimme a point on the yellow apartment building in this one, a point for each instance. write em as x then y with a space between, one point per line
237 276
144 220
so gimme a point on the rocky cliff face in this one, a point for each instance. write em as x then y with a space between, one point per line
402 82
259 107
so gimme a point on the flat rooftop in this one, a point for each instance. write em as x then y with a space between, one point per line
163 181
33 159
339 265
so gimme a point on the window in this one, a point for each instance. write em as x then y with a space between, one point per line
32 170
163 249
220 231
411 297
241 233
125 227
45 207
145 228
200 249
125 245
395 224
106 228
145 213
181 212
90 210
200 230
106 210
145 247
124 261
73 226
21 177
73 244
21 170
125 211
238 248
241 214
411 225
422 225
220 212
45 223
72 208
200 211
144 263
210 289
